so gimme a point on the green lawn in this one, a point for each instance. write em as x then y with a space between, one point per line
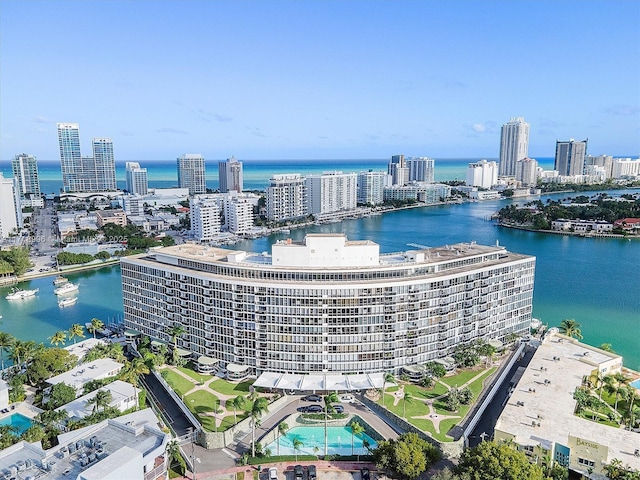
230 388
460 378
201 402
180 384
198 377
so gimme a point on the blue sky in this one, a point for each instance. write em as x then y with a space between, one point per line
318 79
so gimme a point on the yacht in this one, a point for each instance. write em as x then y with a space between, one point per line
65 302
18 294
66 288
60 280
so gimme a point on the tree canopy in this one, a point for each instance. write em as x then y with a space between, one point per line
408 456
495 461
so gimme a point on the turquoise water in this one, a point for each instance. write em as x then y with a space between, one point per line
18 421
636 384
312 438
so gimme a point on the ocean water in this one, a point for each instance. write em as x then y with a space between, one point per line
256 173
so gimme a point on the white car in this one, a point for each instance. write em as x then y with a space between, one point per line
273 474
347 399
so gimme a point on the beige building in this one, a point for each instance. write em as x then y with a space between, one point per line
539 415
111 216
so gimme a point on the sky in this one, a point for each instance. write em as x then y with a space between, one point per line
312 79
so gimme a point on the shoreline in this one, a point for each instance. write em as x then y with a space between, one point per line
71 269
571 234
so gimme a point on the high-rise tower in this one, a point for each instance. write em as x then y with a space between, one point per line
191 173
70 157
104 166
230 175
25 170
514 145
570 157
137 182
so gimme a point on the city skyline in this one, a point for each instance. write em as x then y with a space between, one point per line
319 79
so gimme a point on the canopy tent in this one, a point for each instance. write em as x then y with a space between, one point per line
319 381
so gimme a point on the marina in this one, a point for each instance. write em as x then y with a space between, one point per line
19 294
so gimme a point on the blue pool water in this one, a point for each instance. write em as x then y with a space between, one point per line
312 438
636 384
17 420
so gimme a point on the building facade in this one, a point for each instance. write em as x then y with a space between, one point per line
527 171
570 157
10 211
285 197
25 170
331 192
104 166
625 167
482 174
514 145
327 305
70 156
230 175
205 218
398 170
604 161
428 193
421 169
137 180
239 215
371 187
191 173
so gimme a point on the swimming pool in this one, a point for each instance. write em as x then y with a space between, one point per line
17 420
312 438
636 384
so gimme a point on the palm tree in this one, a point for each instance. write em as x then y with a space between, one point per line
356 429
58 338
132 371
282 430
388 378
631 396
406 398
328 400
571 328
615 384
102 398
297 445
177 330
6 341
260 406
76 330
96 324
21 352
236 404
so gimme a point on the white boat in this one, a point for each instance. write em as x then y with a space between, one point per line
18 294
65 302
60 280
66 288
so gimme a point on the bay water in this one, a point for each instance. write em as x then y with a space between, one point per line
594 281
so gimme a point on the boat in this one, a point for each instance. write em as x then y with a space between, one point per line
60 280
65 302
19 294
66 288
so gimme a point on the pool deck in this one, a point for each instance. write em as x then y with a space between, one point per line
22 408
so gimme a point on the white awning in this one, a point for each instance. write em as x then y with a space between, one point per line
319 382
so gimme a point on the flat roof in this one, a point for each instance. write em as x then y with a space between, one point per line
120 391
78 376
320 381
544 394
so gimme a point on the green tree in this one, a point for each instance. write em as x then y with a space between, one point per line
297 445
49 362
6 342
282 431
408 456
176 461
58 338
95 325
259 407
60 394
356 429
76 330
18 258
453 400
236 404
406 398
328 400
176 331
101 399
132 371
388 378
571 328
493 461
437 370
8 436
615 385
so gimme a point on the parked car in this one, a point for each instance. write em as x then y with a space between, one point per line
273 473
338 408
364 474
312 398
347 398
314 408
298 472
312 472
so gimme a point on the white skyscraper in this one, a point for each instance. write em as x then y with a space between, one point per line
191 173
230 175
570 157
10 210
137 182
527 171
371 187
398 170
239 213
331 192
482 174
514 145
285 197
85 174
421 169
25 170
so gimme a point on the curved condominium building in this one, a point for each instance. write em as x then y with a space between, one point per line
326 305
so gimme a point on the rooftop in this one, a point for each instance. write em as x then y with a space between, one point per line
544 397
78 376
120 392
